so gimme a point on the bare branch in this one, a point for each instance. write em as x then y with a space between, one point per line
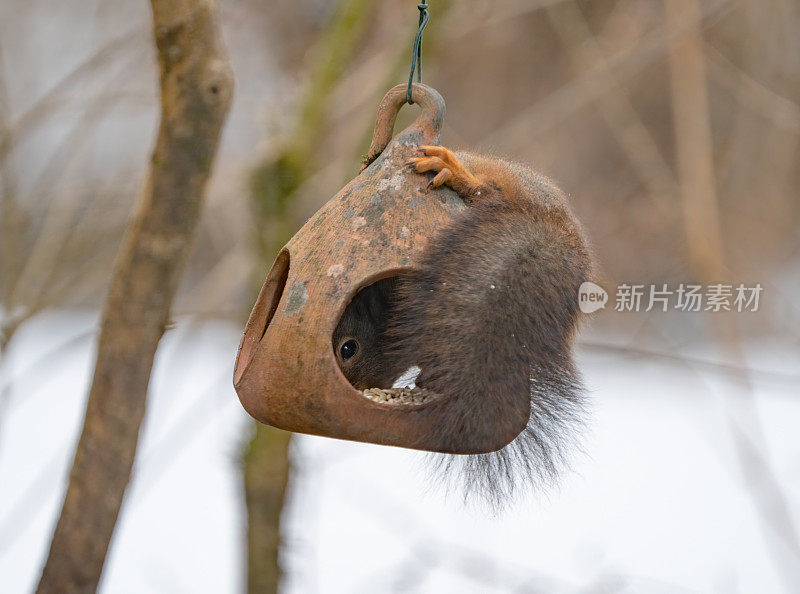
695 158
274 184
561 103
196 89
631 133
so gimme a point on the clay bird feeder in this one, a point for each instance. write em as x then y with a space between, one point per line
286 372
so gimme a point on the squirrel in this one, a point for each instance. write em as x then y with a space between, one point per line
488 316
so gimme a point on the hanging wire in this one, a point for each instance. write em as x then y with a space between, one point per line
416 51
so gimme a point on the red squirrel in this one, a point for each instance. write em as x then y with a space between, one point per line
488 317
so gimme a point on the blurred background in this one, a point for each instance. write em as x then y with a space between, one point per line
672 124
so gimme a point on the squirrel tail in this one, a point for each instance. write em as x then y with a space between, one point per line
489 317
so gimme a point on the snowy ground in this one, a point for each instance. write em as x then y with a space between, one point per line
656 505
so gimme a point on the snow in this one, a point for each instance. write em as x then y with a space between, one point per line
656 504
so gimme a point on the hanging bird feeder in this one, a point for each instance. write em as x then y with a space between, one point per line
286 372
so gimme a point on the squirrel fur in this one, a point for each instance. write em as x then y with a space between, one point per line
488 316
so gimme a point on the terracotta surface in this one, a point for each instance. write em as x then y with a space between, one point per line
286 372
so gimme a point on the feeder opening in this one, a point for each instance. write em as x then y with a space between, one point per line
263 312
362 343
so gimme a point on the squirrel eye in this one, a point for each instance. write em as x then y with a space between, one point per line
349 349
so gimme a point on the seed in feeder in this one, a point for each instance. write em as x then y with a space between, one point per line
399 395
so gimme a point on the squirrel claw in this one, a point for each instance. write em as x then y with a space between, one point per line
441 178
448 169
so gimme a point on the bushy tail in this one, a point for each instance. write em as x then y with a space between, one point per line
489 318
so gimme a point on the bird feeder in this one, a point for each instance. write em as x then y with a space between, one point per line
286 372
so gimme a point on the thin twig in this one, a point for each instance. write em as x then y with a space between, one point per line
631 133
562 103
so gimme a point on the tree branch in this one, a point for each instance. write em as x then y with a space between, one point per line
694 148
273 184
196 90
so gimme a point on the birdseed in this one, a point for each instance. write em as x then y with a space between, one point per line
399 395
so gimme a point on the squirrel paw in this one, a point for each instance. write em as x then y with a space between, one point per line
449 171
